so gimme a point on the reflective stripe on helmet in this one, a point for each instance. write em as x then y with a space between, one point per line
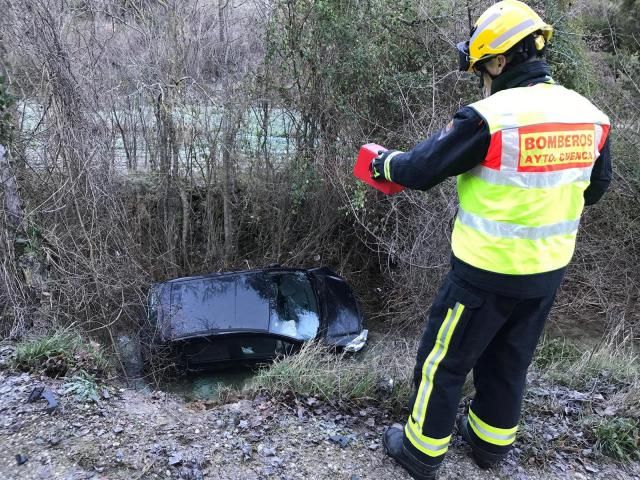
480 28
513 31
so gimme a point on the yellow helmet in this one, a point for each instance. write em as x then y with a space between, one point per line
500 28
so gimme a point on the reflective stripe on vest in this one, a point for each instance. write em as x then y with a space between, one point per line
520 209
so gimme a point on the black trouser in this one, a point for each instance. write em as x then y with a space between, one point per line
471 328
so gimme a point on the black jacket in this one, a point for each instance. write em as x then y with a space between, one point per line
462 145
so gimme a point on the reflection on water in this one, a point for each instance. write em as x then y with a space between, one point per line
206 386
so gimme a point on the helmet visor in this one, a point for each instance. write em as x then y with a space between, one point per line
464 61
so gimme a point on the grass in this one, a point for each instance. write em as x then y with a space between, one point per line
618 438
58 352
609 371
382 373
612 361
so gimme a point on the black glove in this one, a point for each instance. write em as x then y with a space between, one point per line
377 165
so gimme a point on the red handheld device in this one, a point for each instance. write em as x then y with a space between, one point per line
361 170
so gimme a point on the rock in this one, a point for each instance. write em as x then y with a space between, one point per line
246 450
175 459
131 356
44 473
267 451
21 459
340 440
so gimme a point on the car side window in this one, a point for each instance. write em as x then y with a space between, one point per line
295 312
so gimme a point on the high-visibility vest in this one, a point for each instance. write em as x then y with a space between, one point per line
520 208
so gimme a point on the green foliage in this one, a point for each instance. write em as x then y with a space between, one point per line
556 351
568 53
6 125
59 352
32 242
619 438
349 62
83 386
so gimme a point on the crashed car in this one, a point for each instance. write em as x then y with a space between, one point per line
253 316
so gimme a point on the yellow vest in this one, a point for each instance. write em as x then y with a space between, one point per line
520 208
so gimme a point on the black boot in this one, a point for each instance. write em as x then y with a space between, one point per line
482 458
393 444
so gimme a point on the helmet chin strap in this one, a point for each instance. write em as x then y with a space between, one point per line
487 72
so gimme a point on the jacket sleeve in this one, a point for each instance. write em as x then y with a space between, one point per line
455 149
600 176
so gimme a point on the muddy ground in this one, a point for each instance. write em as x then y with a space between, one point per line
129 434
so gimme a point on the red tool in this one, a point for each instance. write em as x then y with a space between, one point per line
361 170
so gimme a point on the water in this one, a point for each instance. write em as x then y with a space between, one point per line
208 386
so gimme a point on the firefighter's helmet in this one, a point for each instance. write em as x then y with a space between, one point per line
499 29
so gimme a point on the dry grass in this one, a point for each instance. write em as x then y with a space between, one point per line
381 374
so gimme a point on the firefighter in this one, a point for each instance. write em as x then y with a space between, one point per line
528 158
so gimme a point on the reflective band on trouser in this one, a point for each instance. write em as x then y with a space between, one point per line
496 436
512 230
437 354
433 447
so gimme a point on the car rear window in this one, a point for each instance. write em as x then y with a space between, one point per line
219 303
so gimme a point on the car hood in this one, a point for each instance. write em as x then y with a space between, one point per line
340 309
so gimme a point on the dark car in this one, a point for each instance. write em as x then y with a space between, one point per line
253 316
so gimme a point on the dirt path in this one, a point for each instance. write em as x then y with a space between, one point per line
135 435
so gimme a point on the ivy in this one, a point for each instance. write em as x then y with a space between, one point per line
6 124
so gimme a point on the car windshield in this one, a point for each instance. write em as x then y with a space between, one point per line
295 312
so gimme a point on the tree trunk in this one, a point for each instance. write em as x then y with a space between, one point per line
228 141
